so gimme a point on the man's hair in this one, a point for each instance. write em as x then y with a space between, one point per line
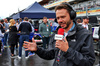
2 21
20 19
63 6
26 18
78 20
44 17
5 19
30 21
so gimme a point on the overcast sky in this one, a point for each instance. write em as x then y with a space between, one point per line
8 7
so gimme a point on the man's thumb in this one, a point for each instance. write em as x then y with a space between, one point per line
33 40
65 39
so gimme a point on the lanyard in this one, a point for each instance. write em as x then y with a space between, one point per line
47 27
59 53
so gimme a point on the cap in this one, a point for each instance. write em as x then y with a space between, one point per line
85 17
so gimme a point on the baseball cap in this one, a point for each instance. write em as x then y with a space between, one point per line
85 17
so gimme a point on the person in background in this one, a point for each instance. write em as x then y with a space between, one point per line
2 26
79 21
77 47
6 24
51 28
36 26
99 43
24 30
18 23
31 35
30 21
20 20
45 31
55 25
12 39
86 24
6 32
1 36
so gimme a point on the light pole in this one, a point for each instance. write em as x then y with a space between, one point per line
85 8
86 11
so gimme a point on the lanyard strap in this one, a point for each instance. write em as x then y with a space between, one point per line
59 53
65 34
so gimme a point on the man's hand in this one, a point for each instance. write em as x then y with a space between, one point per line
32 46
62 45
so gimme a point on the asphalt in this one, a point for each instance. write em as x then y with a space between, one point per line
6 60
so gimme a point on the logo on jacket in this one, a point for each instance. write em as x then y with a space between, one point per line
73 40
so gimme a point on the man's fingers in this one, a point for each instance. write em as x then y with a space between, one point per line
25 46
26 42
26 49
33 40
65 39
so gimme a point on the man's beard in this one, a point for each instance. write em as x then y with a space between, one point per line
67 24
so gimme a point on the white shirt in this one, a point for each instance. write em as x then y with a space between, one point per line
85 26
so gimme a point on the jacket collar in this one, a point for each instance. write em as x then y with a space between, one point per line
73 32
46 23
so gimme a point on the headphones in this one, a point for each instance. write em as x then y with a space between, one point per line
72 13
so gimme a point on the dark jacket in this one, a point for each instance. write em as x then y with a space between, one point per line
99 32
80 52
43 29
12 39
2 29
90 27
25 28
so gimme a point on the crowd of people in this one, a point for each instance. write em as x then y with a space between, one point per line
12 34
89 7
23 30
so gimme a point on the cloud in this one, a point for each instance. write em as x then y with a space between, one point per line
8 7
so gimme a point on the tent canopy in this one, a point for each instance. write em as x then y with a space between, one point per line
35 11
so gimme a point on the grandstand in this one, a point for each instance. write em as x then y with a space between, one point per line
82 7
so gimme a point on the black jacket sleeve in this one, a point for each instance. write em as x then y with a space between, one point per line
45 54
84 57
20 27
99 32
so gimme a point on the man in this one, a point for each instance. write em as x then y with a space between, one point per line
55 25
18 23
24 29
20 20
6 33
99 42
86 24
6 24
75 50
2 26
45 31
